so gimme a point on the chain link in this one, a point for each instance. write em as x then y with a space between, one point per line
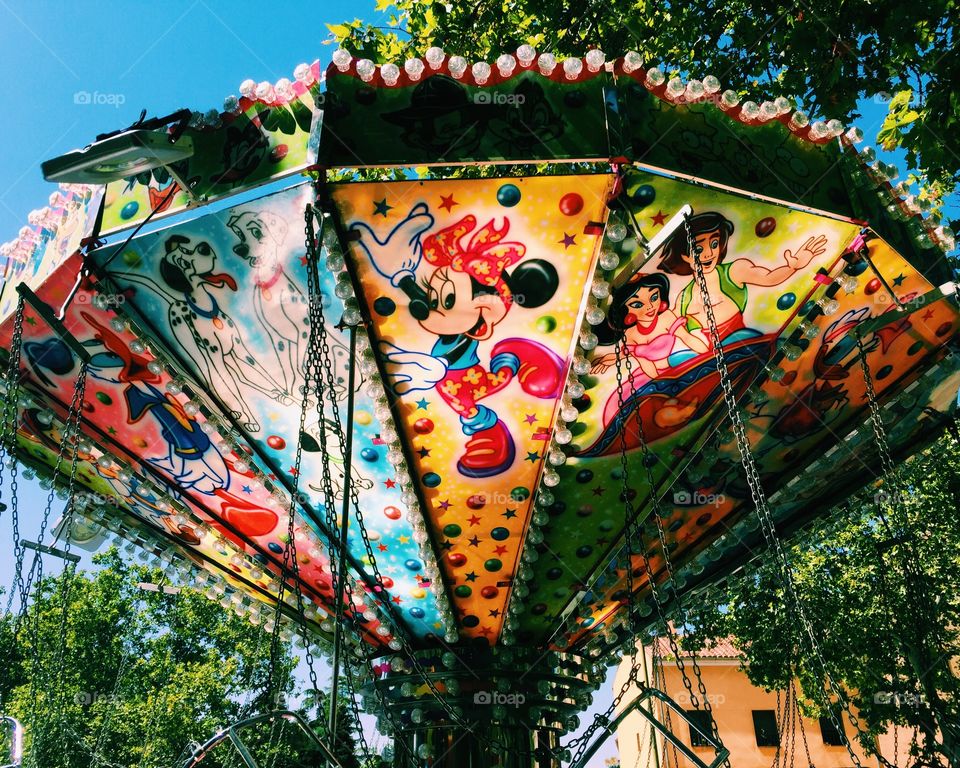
759 500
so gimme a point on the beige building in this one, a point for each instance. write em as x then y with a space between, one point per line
746 718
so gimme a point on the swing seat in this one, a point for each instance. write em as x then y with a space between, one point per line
279 739
13 739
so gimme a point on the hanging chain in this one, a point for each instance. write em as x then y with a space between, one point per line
760 504
291 563
357 516
633 534
11 414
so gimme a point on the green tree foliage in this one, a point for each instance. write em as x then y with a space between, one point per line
139 676
888 629
827 55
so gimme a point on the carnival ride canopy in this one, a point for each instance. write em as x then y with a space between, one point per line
510 358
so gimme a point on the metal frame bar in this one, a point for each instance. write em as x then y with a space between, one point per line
232 733
16 742
646 693
344 524
46 314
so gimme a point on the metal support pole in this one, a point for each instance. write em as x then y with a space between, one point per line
342 544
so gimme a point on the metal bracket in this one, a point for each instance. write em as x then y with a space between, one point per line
44 549
647 693
46 314
904 310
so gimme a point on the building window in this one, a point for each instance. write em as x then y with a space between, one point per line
833 737
702 722
765 728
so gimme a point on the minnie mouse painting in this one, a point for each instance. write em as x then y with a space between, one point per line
466 294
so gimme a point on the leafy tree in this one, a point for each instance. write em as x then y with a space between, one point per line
140 674
881 585
828 55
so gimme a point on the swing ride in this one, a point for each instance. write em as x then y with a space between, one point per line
479 431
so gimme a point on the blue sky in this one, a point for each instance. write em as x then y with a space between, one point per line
160 56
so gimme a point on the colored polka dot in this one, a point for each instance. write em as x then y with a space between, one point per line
417 613
392 513
452 530
489 592
857 268
539 609
104 398
765 226
786 301
276 442
431 479
943 329
915 347
470 621
131 258
520 493
274 547
369 454
463 591
423 426
546 324
362 418
807 307
554 573
585 510
499 534
884 372
493 565
384 306
386 582
704 518
129 210
457 559
584 476
872 286
606 525
508 195
644 195
418 593
412 565
585 551
477 501
571 204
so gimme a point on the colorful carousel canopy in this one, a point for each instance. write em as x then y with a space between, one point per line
515 348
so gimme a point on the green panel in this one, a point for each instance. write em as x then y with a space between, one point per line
439 119
702 141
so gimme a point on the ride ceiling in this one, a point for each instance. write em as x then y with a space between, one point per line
491 409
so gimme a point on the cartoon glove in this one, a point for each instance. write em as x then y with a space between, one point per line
397 256
411 371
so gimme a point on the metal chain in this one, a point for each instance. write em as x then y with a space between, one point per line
357 515
319 361
632 533
11 413
291 563
759 499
